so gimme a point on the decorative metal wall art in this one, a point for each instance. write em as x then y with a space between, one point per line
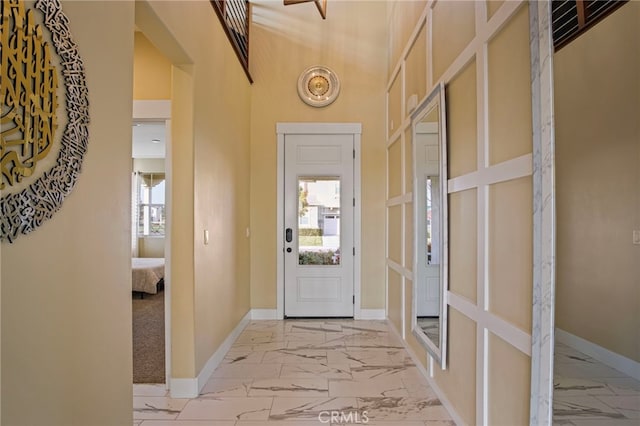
29 101
29 117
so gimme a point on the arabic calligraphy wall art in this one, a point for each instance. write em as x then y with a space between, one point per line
34 74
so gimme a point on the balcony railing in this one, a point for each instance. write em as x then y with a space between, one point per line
235 16
571 18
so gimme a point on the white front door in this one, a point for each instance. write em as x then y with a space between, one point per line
318 225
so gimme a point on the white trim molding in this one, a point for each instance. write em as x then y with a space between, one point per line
191 387
372 314
318 128
539 165
265 314
604 355
508 332
501 172
152 110
184 388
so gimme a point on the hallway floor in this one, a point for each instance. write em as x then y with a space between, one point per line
589 393
303 372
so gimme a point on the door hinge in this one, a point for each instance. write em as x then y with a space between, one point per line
354 251
354 299
354 201
354 154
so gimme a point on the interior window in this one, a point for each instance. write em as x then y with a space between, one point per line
150 206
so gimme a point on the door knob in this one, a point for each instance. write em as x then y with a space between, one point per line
288 235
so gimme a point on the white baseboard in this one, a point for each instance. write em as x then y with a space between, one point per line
605 356
371 314
219 355
441 396
191 387
264 314
272 314
184 388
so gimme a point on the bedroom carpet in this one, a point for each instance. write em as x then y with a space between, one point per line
148 338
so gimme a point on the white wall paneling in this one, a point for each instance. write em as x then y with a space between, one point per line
538 164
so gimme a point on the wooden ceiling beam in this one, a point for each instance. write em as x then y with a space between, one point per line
320 4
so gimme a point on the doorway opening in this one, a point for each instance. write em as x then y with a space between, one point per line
148 240
151 209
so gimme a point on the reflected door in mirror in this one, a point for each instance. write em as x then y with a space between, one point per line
427 169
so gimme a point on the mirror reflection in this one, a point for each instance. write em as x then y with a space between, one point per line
429 323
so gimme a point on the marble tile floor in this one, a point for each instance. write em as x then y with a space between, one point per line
589 393
301 373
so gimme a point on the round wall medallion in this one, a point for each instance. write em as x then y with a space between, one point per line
318 86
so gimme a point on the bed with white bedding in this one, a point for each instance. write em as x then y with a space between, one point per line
146 273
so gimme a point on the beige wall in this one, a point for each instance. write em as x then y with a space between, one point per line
210 179
66 324
66 287
151 71
150 246
284 42
597 101
490 212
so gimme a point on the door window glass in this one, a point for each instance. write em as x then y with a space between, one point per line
318 220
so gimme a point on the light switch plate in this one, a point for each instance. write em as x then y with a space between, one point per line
636 237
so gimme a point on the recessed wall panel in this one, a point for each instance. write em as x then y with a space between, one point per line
416 67
408 161
509 79
395 105
408 239
454 27
408 301
395 169
462 112
463 239
508 393
510 237
504 111
416 346
395 234
394 306
459 379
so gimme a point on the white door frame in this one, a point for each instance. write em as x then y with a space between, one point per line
283 129
161 111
